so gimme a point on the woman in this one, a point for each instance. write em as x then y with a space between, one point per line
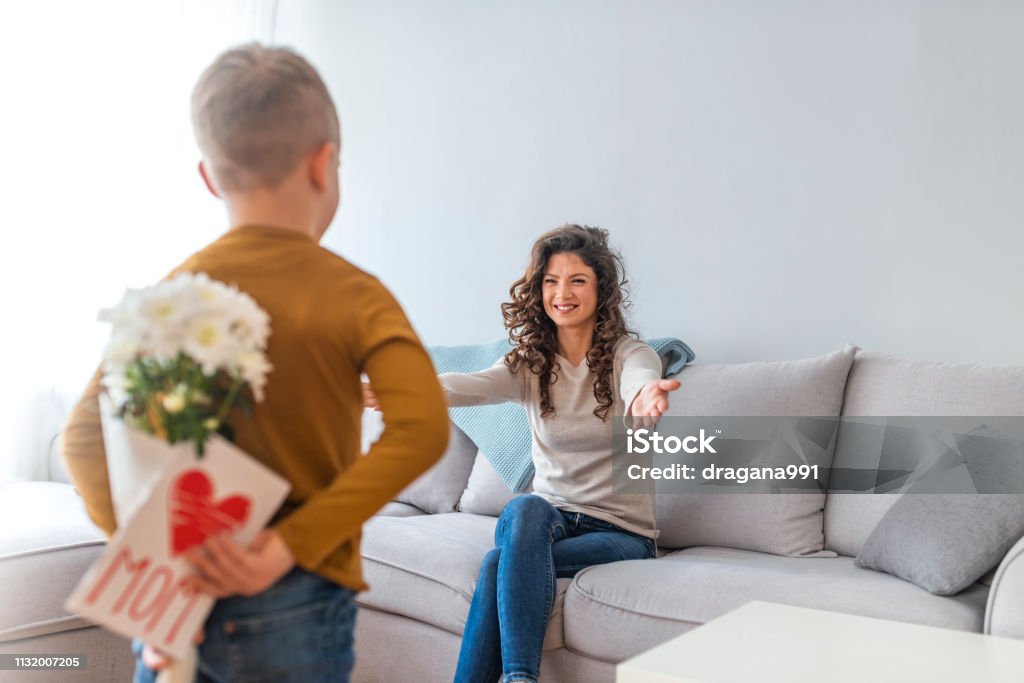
574 368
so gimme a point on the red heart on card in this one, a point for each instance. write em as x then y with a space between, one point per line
194 514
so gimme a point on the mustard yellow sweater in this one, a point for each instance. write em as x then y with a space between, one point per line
330 322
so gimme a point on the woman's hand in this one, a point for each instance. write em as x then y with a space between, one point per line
225 568
370 398
651 402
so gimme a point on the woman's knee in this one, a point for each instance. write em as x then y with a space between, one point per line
527 513
489 566
487 579
527 509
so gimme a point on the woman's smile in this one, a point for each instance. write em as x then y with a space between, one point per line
570 290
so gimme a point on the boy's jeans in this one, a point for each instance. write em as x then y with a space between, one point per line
535 544
300 629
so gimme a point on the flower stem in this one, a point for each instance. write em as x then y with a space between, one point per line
153 417
229 400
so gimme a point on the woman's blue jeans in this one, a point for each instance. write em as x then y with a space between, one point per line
536 543
299 629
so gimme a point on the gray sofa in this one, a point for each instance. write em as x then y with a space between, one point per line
717 552
423 551
47 544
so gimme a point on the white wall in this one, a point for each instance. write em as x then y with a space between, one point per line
98 183
782 177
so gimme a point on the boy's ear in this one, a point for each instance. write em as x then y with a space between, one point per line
319 165
209 181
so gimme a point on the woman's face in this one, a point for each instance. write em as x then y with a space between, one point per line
570 291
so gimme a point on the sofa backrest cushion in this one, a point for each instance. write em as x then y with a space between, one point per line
782 524
486 493
881 385
438 489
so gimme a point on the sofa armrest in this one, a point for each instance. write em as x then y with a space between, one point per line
55 470
1004 614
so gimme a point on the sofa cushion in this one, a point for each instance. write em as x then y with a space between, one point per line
944 543
396 509
486 493
615 611
47 544
881 385
425 568
783 524
438 489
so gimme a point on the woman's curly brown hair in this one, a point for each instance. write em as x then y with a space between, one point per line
533 333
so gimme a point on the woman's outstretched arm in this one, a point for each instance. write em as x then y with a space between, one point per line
643 391
493 385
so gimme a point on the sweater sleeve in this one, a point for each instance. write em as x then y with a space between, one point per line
414 437
640 366
86 459
496 384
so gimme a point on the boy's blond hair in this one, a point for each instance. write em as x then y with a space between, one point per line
256 112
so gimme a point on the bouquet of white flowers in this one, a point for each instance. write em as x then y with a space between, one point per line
182 354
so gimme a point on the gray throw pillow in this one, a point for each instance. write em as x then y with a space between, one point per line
781 524
486 493
884 385
438 489
944 542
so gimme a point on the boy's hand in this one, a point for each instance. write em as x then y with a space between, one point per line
370 398
156 660
652 402
225 568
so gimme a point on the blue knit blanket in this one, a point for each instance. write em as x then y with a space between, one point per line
502 432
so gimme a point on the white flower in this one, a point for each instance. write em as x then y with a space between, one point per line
253 367
174 402
124 345
250 324
166 306
216 325
208 341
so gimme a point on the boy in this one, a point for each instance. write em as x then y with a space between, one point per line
270 139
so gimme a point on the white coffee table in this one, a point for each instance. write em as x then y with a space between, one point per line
767 643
